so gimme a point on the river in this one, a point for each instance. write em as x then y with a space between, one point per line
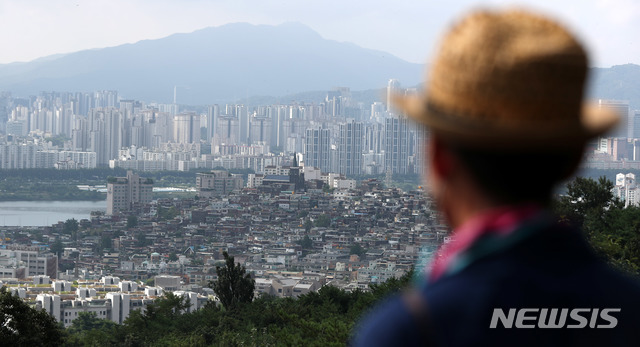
45 213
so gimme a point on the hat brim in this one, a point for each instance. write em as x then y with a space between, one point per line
593 121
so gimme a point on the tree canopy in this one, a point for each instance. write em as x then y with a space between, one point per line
70 226
612 229
357 249
323 221
22 325
132 221
89 330
57 247
306 242
234 285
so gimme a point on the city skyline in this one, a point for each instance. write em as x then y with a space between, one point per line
101 129
404 29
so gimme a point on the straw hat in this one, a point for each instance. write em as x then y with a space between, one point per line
508 80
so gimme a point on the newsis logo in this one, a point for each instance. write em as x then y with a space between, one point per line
554 318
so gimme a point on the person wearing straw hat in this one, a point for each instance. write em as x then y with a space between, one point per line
504 105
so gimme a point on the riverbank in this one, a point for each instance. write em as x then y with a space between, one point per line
46 213
62 185
18 188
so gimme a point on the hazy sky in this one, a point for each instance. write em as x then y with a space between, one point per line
406 28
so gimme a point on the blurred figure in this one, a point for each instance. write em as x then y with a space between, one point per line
504 105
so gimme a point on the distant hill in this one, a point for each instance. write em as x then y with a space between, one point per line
214 65
256 64
620 82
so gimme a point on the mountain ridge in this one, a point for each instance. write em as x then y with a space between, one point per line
215 64
238 61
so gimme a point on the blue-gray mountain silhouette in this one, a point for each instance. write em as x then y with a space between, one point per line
213 65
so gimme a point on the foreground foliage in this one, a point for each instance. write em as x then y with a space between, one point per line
612 229
21 325
325 318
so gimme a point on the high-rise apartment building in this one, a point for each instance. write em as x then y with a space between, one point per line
350 147
626 189
378 112
259 130
18 156
393 87
105 133
124 192
419 133
227 130
213 112
317 147
278 114
105 98
242 113
634 124
186 127
374 138
333 103
396 146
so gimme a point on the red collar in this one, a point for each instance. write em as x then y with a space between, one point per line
500 221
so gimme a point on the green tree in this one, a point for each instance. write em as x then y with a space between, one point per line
323 221
611 229
167 213
163 315
234 285
132 222
141 239
308 225
585 198
306 242
392 285
57 248
327 189
197 262
357 250
70 226
105 242
89 330
21 325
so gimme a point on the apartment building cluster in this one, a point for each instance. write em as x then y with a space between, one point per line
109 298
22 260
335 135
23 154
626 189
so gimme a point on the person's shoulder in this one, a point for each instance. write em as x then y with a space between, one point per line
389 324
616 285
